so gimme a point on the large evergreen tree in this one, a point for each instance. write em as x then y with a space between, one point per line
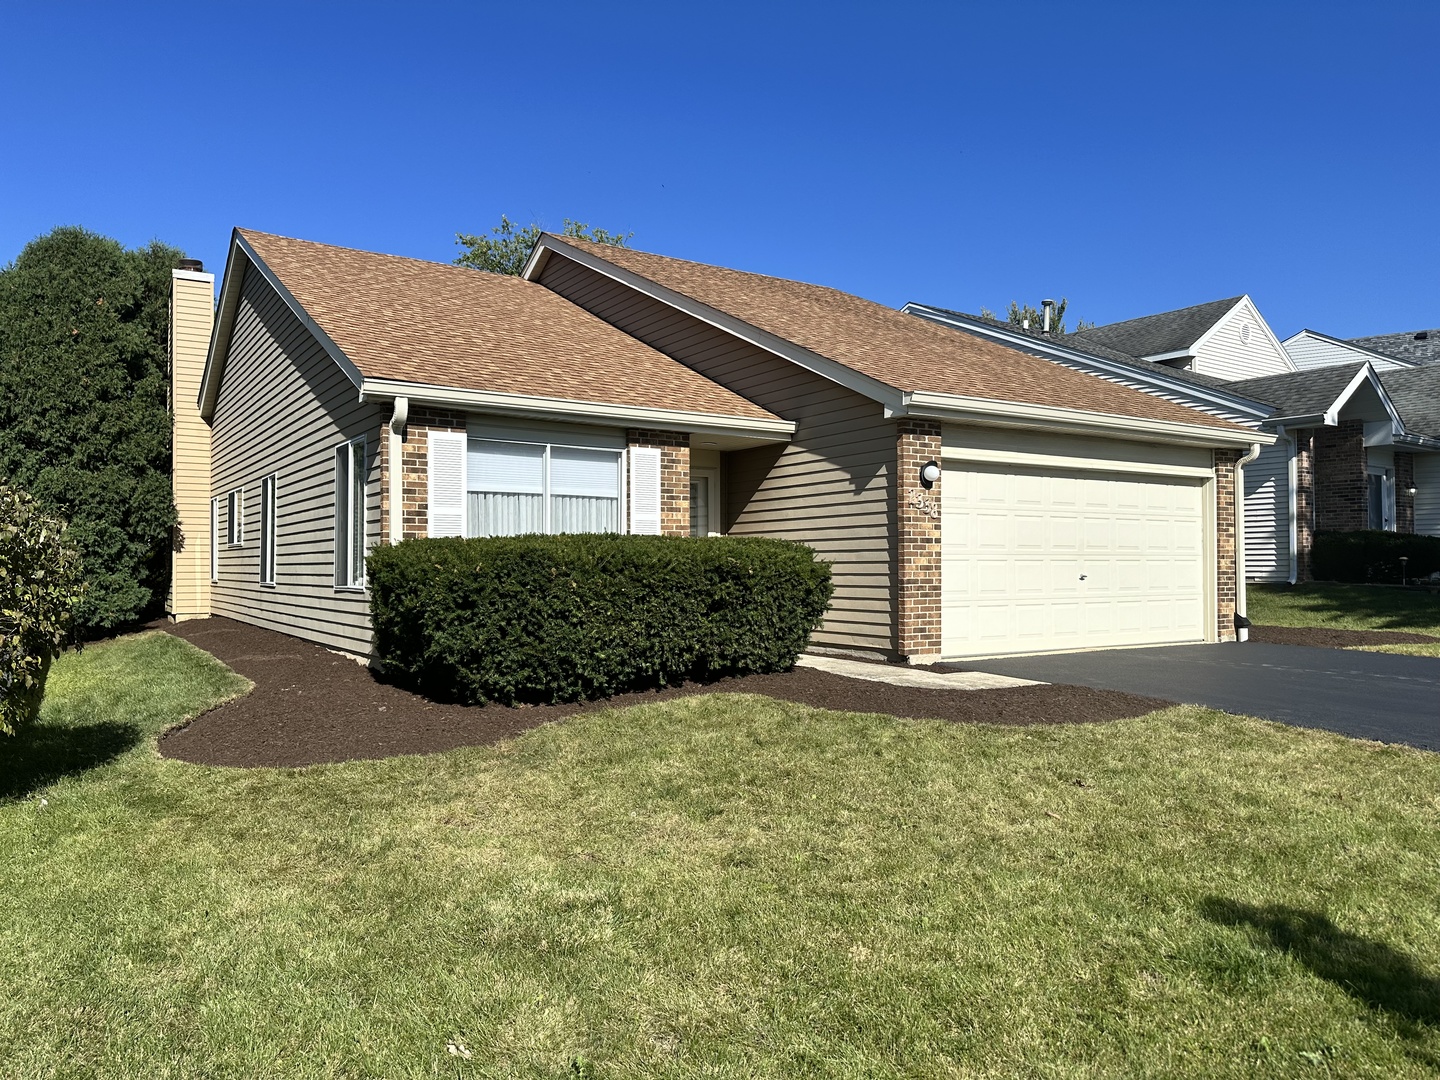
84 418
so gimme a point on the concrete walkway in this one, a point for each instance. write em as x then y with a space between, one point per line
899 675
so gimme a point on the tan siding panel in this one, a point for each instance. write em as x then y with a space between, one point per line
831 488
283 408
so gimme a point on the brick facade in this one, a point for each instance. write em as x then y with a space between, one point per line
918 542
1341 499
414 460
1304 501
674 476
1404 501
1226 579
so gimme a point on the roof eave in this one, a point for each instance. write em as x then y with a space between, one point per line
753 429
993 413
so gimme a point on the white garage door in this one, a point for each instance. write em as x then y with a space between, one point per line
1035 561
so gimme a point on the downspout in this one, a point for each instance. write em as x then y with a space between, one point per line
1242 624
397 468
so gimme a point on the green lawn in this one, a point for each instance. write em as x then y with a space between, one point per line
716 886
1344 607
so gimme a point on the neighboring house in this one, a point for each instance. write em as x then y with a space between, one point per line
1342 456
1224 339
354 399
1310 349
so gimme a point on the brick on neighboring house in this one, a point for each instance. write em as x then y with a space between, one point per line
1342 502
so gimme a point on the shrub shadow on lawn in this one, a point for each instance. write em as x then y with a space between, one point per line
41 754
1384 978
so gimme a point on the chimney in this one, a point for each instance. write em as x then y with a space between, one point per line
1048 307
192 318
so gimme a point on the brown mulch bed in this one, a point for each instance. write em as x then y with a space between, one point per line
311 706
1322 637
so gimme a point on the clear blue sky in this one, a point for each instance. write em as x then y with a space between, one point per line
1133 157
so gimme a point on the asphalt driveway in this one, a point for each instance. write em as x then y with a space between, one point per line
1368 695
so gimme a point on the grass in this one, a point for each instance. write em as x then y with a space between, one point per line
717 886
1345 607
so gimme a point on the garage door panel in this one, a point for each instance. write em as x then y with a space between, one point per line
1035 561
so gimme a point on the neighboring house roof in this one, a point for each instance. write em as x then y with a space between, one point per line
1419 346
1304 393
893 349
1416 394
402 320
1094 348
1362 351
1157 335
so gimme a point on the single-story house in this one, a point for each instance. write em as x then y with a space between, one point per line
1344 455
973 498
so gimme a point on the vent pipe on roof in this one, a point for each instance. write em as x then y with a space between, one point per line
1048 307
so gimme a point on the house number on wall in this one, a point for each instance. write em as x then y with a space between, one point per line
922 502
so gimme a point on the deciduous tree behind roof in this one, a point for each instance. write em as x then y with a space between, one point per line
84 419
505 251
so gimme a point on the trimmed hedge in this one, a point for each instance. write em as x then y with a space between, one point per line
561 618
1373 556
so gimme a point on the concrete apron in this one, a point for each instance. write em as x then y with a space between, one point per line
903 676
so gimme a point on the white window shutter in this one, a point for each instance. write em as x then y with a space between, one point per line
645 490
445 469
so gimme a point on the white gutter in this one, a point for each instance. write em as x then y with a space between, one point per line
1242 633
993 413
396 465
759 429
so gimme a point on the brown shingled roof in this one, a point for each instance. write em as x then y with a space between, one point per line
902 351
433 323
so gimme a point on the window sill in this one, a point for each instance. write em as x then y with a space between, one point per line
267 584
350 588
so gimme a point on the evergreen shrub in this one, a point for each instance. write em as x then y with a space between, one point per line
40 589
1373 556
562 618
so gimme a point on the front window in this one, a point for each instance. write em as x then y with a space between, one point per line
235 518
519 487
350 515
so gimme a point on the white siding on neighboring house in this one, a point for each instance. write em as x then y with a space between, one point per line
1310 351
1267 514
1427 494
1242 346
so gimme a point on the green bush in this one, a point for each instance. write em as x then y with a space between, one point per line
40 589
1373 556
562 618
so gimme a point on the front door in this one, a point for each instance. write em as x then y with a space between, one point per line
1380 498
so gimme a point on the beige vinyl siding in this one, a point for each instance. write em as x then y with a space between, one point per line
1226 355
1427 494
192 316
283 408
832 487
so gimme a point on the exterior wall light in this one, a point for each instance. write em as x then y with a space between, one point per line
929 473
1410 492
